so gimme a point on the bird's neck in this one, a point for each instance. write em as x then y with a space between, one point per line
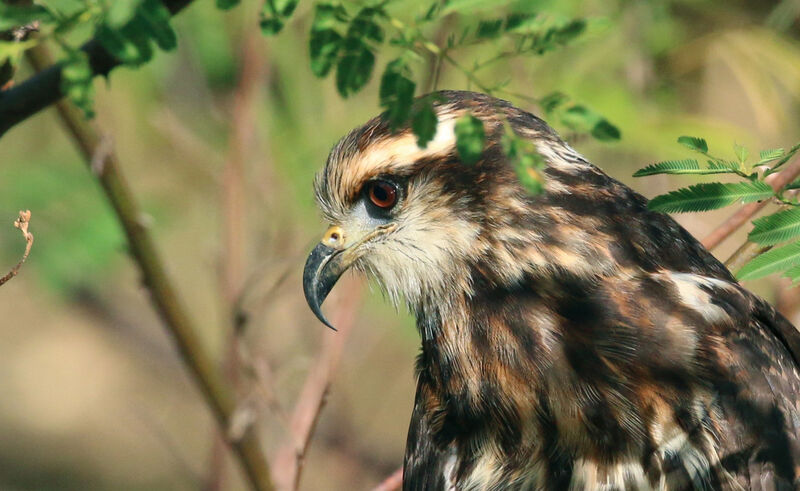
486 347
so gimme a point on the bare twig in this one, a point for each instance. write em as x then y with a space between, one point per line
234 240
744 254
288 464
391 483
22 224
162 292
434 65
777 181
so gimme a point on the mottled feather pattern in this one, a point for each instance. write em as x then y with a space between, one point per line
570 340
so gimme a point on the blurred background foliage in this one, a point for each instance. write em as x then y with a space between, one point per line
94 396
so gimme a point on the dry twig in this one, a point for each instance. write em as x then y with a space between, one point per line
288 463
234 233
22 224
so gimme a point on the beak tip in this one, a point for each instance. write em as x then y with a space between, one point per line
318 279
318 313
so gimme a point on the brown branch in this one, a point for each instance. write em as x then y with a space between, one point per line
744 254
234 207
778 181
44 89
288 463
162 292
22 224
788 299
391 483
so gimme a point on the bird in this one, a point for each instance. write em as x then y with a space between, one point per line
570 339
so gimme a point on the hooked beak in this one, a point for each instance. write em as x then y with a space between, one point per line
328 261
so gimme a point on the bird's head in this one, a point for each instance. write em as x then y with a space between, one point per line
421 222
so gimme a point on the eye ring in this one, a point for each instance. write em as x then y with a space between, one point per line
382 194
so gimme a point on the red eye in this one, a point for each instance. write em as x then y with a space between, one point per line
383 194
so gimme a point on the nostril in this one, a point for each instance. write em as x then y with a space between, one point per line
334 237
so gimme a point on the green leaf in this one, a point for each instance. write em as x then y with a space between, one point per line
786 157
525 160
76 81
697 144
793 273
284 8
793 185
710 196
773 261
424 121
13 50
432 11
775 228
553 101
17 16
568 32
489 28
688 166
767 156
324 50
120 12
227 4
470 138
271 25
528 174
397 92
741 153
363 26
274 14
354 68
517 20
605 131
328 16
724 165
130 45
155 18
580 118
469 6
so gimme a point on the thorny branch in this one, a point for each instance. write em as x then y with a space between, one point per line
163 294
22 224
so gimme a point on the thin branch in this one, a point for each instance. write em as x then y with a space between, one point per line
44 89
391 483
434 66
290 458
22 224
162 292
788 299
234 207
744 254
778 181
467 73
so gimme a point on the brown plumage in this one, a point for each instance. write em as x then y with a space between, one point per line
570 340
